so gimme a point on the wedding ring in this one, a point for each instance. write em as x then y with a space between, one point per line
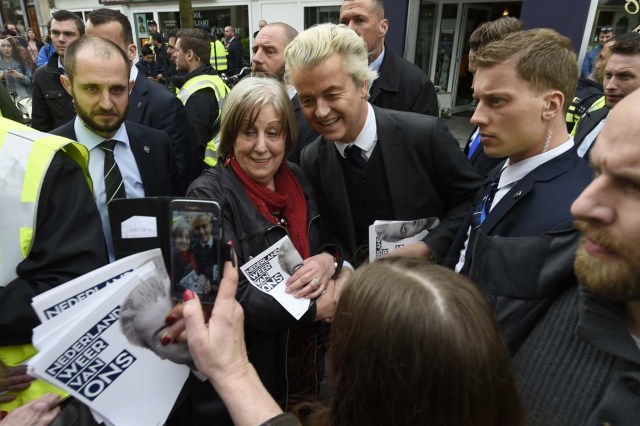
315 282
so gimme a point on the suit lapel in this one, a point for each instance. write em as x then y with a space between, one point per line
544 172
141 152
138 100
393 153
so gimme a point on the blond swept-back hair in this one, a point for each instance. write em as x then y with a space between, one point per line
245 102
318 43
543 57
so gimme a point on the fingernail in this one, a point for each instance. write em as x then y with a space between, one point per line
170 319
188 295
166 339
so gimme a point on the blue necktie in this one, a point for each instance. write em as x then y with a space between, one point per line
484 206
473 145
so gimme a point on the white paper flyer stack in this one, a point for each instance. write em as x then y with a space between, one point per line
83 350
386 236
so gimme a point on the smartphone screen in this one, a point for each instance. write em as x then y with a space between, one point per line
195 247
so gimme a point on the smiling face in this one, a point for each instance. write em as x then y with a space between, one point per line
608 258
621 77
183 240
100 91
509 113
201 226
268 52
330 100
259 146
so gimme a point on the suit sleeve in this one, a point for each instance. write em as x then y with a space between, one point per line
456 182
176 124
261 311
68 243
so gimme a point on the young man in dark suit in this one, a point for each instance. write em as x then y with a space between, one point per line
518 242
234 48
125 159
372 163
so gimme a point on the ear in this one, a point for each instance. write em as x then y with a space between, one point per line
364 89
66 83
383 27
132 52
553 105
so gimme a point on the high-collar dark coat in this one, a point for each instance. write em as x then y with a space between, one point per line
402 86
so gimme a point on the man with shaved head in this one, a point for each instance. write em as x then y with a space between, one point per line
126 160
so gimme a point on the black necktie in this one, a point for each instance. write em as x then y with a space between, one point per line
354 155
113 183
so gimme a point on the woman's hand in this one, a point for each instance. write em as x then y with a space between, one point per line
327 302
16 379
312 278
218 347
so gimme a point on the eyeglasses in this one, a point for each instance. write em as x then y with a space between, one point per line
606 29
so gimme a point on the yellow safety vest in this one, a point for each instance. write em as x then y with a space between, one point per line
221 90
25 156
600 103
218 58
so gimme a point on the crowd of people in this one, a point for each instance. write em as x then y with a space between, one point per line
522 306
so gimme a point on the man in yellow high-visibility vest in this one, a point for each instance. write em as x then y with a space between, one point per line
50 232
202 94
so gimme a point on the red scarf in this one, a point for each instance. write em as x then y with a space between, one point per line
288 200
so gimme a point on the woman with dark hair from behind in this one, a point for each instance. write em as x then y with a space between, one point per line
411 344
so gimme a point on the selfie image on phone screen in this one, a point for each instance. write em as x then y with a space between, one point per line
195 248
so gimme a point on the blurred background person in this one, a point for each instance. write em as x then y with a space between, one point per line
15 71
425 350
34 46
149 67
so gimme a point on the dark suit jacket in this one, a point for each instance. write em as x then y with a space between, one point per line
234 57
403 86
153 106
153 155
306 134
427 176
479 160
522 254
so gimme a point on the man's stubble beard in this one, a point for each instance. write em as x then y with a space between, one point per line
615 279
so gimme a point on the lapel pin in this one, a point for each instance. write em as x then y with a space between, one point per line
517 194
139 104
147 149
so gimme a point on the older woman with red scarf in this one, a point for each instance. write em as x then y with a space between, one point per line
264 198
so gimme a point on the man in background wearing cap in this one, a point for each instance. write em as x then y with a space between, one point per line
605 35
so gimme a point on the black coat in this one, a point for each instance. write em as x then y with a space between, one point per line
68 243
51 105
402 86
266 321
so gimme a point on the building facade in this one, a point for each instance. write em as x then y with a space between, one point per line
431 33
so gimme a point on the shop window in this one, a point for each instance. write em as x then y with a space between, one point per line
321 15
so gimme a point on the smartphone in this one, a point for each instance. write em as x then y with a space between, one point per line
196 252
